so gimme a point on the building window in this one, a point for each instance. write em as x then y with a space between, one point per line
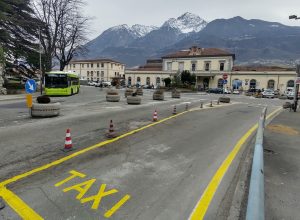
193 66
207 66
290 83
129 81
97 79
222 66
82 65
102 64
157 80
271 84
102 74
111 65
87 65
138 80
88 79
148 81
220 83
73 65
115 73
97 64
98 73
252 84
181 66
88 73
92 65
92 74
169 65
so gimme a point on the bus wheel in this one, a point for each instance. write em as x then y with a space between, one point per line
71 91
77 90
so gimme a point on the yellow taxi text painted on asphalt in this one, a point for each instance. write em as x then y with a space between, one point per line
84 186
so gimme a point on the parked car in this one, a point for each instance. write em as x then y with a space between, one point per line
291 94
268 93
106 83
236 92
91 83
215 90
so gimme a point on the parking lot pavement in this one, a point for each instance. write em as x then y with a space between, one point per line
158 173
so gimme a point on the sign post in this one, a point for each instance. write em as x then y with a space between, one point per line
30 87
225 76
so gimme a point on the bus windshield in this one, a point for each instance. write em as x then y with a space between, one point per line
56 81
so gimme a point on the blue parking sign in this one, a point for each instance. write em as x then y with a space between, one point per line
30 86
224 81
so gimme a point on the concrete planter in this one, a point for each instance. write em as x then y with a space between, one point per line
158 95
139 91
224 99
134 100
128 92
113 98
176 94
287 105
45 110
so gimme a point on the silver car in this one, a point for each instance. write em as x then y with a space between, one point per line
268 93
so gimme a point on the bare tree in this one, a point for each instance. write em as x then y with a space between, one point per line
62 29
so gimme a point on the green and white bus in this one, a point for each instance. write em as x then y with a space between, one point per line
61 83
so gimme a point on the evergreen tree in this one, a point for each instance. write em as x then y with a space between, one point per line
18 30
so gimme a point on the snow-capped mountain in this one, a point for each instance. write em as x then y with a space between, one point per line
186 23
142 30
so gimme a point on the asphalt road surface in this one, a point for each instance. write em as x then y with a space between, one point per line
159 172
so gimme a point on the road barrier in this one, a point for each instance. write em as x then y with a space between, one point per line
111 131
255 206
174 110
155 117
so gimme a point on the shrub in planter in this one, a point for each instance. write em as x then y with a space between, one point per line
43 99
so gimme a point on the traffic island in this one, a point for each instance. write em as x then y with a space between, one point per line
112 95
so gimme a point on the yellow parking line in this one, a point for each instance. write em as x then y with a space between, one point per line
206 198
20 207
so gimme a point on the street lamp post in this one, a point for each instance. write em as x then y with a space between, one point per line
296 86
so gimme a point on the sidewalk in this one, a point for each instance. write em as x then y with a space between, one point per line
282 166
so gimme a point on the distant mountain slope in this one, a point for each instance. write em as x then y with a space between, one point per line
253 41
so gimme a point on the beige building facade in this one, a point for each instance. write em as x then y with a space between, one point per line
97 70
209 65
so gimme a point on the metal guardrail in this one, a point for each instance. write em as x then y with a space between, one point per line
255 207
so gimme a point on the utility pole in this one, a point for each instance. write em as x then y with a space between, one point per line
40 54
296 86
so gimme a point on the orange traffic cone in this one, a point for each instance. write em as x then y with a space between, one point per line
111 132
174 110
68 141
155 118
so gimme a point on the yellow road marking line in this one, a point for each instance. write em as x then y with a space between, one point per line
101 144
110 212
206 198
20 207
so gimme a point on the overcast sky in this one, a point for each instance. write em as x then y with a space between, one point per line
108 13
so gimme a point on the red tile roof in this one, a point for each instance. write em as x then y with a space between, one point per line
199 52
